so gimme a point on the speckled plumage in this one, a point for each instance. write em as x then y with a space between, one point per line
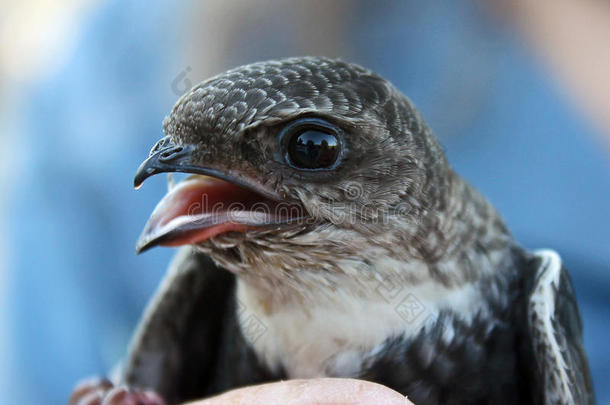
393 216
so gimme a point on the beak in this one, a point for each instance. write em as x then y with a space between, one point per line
167 157
209 203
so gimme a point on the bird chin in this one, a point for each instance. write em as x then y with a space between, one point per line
202 207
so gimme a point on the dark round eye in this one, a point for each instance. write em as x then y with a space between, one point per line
312 147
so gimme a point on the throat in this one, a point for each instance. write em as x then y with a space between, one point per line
330 331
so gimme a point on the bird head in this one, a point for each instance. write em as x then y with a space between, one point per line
296 162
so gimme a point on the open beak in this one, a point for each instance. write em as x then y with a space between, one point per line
208 203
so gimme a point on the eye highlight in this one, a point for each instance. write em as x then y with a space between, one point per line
311 144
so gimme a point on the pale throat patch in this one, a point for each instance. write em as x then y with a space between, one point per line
332 333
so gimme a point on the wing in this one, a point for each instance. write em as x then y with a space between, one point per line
190 303
188 344
555 329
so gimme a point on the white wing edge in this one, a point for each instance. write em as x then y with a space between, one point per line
542 307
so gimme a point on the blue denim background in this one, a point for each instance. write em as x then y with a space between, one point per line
76 289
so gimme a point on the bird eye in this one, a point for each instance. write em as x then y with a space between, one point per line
312 144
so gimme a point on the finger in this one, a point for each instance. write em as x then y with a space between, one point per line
324 391
92 398
127 396
88 386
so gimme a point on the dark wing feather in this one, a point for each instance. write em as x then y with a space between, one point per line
562 372
174 349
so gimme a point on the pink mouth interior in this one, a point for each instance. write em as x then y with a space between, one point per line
202 207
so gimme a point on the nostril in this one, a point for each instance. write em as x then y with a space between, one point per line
170 153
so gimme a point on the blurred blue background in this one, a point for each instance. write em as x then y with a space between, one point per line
83 100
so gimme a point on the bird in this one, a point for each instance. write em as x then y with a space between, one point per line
323 233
